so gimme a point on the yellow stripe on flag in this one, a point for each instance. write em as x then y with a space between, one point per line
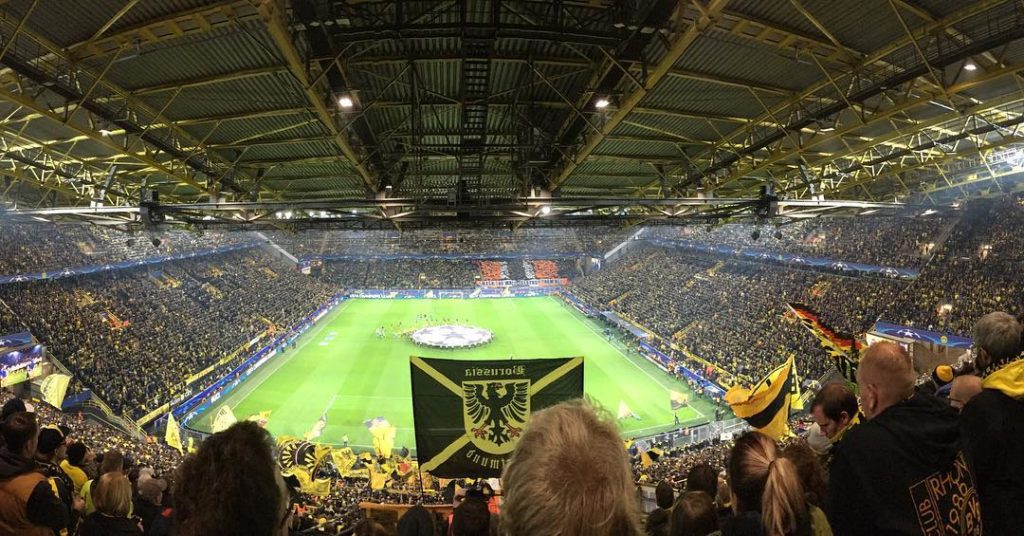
766 406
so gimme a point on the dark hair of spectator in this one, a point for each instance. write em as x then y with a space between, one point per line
664 495
76 453
694 515
471 518
834 399
20 429
702 477
229 487
810 471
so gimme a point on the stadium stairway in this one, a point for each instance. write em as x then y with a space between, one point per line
944 234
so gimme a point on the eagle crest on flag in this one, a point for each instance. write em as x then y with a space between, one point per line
495 412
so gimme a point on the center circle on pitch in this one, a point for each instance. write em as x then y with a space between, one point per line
452 336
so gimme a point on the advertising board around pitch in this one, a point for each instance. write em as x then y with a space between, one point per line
470 414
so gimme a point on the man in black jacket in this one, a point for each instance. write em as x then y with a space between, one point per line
992 424
902 471
28 504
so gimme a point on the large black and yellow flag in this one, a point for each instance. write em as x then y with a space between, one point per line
470 414
844 349
765 406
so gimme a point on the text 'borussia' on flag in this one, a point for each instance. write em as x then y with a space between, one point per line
766 405
470 414
843 348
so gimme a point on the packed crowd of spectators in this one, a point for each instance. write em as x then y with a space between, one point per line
976 270
134 336
32 248
438 273
895 241
733 313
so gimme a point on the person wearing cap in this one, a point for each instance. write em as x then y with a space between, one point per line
77 455
942 377
991 423
50 450
148 506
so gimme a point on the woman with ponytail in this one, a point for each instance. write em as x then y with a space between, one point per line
767 495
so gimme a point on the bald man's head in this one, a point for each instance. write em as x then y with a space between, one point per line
885 376
964 388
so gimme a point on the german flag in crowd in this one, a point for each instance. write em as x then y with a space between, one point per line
766 405
844 349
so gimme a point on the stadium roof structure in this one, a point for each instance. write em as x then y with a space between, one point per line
511 110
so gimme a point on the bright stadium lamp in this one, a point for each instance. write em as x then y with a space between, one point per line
345 101
970 66
601 103
545 210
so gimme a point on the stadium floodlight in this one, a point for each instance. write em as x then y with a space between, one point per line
345 101
601 103
970 66
545 210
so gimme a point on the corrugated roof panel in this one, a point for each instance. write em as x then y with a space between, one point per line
240 128
50 18
149 10
704 97
222 50
273 92
290 151
864 25
339 167
665 125
739 59
940 8
779 14
314 184
638 148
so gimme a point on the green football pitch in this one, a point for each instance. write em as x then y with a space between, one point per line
340 366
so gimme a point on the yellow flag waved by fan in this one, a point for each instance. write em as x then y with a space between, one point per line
319 486
54 387
383 434
766 405
677 400
223 419
296 452
173 434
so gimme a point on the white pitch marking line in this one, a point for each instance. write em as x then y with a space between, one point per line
623 354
